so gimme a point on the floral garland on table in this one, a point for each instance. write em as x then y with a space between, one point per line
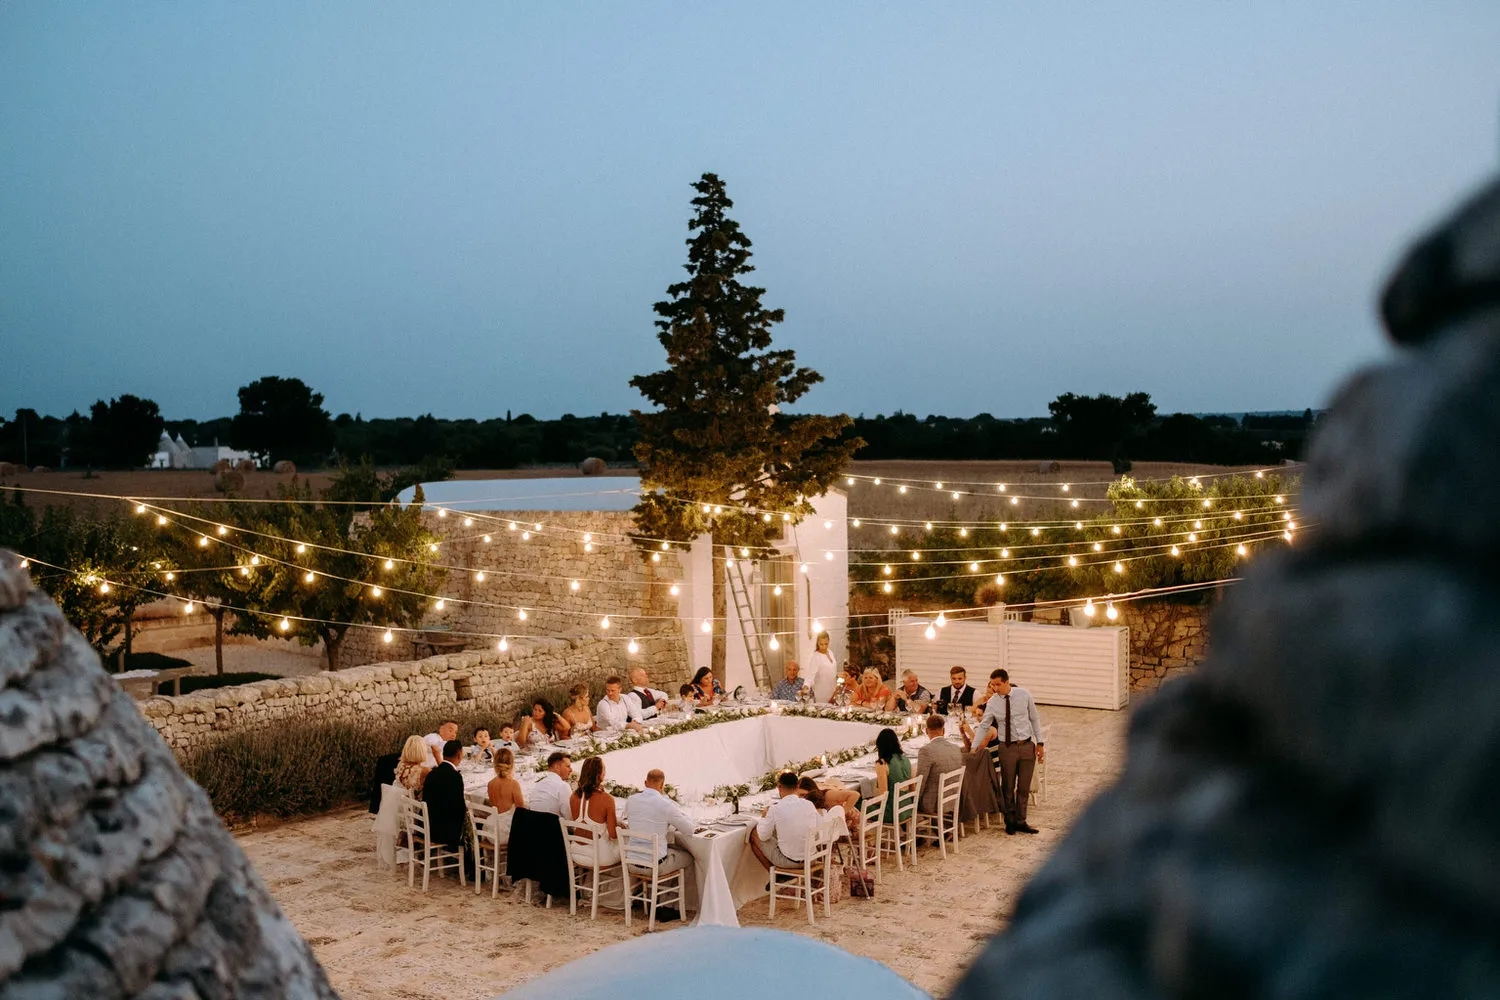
892 719
620 791
630 739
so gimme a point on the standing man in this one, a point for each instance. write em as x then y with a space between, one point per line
956 693
1014 717
649 701
615 711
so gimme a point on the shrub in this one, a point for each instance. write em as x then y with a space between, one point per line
308 767
201 682
143 661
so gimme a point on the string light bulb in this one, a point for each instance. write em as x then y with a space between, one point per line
503 644
1088 608
202 541
999 579
1176 551
432 547
963 532
877 480
674 590
1119 567
525 536
895 530
1240 550
916 556
573 585
774 644
479 577
856 522
930 632
1111 612
468 522
223 530
666 546
804 569
817 626
309 577
104 587
828 556
389 635
632 647
170 576
706 627
161 519
187 608
440 605
937 486
1066 487
1073 502
1005 553
521 614
1192 536
374 591
285 624
973 567
1072 560
140 508
887 587
604 622
848 480
1014 501
901 490
513 526
941 621
301 549
886 569
390 564
776 590
656 557
1156 523
442 512
1098 546
928 525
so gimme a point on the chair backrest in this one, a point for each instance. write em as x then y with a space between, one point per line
950 786
995 758
640 851
582 836
905 796
479 814
417 819
385 774
872 810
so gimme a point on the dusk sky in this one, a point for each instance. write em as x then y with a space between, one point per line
468 208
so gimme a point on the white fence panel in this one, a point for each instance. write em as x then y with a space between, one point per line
1060 665
977 646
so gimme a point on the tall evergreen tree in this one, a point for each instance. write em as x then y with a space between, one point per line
718 436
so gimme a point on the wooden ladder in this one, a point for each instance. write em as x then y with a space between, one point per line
744 609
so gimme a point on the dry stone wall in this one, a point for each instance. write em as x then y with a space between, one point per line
536 573
1166 640
488 680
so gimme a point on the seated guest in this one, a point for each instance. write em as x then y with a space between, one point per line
593 803
957 693
615 710
651 812
415 762
445 732
779 839
550 795
686 700
543 725
580 719
936 759
508 738
911 696
872 693
790 688
650 701
484 747
891 768
504 793
447 811
825 797
706 687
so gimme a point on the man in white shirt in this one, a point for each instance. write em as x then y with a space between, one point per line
649 701
445 732
615 711
780 838
1012 714
650 811
550 795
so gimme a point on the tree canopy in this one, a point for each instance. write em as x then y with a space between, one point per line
282 418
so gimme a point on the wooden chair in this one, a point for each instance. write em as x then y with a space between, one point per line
871 812
812 879
434 857
641 856
944 823
583 839
489 853
903 831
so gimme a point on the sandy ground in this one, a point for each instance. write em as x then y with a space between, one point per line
378 939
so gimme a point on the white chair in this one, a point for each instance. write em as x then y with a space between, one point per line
871 811
641 856
902 833
944 823
434 857
1038 791
583 838
390 823
812 879
489 853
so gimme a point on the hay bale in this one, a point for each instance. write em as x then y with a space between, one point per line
285 468
229 481
40 468
222 465
10 469
245 465
592 466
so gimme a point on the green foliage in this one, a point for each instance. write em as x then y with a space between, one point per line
282 418
1037 568
120 434
142 661
201 682
306 767
717 435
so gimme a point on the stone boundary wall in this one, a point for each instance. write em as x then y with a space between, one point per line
1166 639
615 578
489 679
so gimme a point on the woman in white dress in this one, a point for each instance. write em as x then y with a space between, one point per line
821 670
593 803
504 794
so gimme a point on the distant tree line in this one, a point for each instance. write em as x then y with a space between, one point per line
284 418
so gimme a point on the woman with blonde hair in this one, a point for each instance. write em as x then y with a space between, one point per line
580 717
872 692
504 793
415 762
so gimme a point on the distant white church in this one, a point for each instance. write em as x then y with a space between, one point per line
174 453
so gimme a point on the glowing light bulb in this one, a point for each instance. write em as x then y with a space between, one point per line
1004 526
1287 535
1115 529
1192 536
1110 611
916 556
1260 475
973 567
479 577
1207 503
468 522
766 518
817 626
804 568
390 564
1098 546
963 532
525 536
301 549
928 525
389 635
877 480
848 480
827 525
308 577
1240 550
223 530
1000 579
786 517
937 486
656 557
588 536
1156 522
244 571
1238 515
1072 560
887 587
774 644
856 522
140 508
1197 525
776 590
941 621
521 614
886 569
604 622
1281 499
828 556
588 546
707 509
1119 567
674 590
1078 525
513 526
744 552
573 585
1073 503
170 576
161 519
1140 505
202 541
1194 482
901 490
1292 525
707 626
374 591
1036 532
441 604
104 587
729 564
432 547
718 509
1014 501
895 530
955 494
1000 487
1005 553
503 644
1066 487
285 624
187 608
1088 608
930 632
441 513
632 647
1175 551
